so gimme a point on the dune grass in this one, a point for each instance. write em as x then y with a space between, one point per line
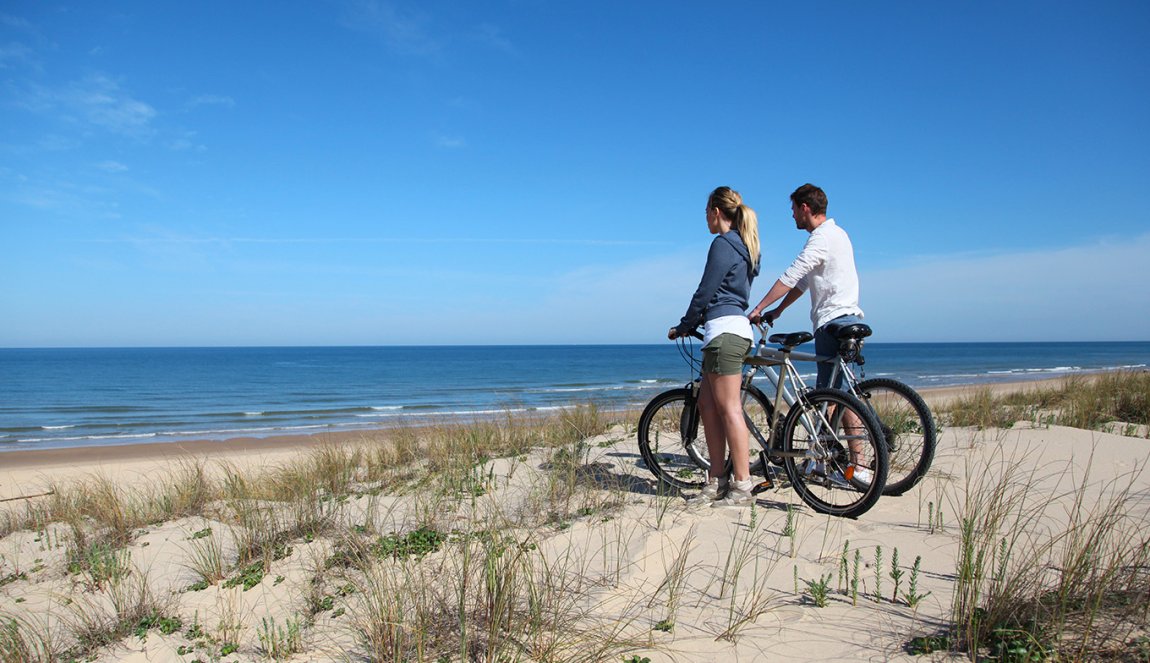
1054 563
1088 402
426 585
1073 589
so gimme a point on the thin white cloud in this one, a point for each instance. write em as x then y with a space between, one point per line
633 302
14 54
403 32
213 100
15 22
164 238
100 101
450 142
56 143
1090 292
95 102
1093 292
185 142
492 36
63 197
112 166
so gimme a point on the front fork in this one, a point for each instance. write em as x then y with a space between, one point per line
689 424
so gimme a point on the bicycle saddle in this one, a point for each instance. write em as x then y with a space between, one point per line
857 331
792 339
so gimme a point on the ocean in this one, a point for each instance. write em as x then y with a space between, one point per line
52 398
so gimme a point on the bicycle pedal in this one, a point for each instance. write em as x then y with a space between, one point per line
762 487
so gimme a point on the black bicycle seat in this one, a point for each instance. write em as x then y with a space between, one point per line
856 331
792 339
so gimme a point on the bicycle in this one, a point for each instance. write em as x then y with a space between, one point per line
907 424
818 446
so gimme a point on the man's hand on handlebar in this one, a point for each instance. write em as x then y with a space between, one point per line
765 317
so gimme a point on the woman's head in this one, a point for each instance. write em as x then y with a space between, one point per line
743 219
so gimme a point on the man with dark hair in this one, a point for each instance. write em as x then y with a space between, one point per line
825 267
811 196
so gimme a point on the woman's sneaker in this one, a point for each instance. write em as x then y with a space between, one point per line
739 495
715 489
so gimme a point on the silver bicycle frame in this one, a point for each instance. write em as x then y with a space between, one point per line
764 360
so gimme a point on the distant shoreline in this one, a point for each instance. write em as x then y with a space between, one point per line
212 449
71 399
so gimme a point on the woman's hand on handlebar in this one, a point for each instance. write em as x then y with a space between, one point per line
674 333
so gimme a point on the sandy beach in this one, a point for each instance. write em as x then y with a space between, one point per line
647 576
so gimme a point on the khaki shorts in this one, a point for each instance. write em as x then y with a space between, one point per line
724 354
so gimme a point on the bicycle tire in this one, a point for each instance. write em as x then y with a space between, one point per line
816 446
670 440
908 428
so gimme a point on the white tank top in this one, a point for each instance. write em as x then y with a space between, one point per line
738 325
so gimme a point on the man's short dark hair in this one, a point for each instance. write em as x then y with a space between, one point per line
812 196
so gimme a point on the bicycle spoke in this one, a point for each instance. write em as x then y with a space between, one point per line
908 428
671 441
843 463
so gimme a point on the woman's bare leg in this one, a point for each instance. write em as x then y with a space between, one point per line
713 427
727 398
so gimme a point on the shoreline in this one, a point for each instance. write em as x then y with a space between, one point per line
25 460
131 402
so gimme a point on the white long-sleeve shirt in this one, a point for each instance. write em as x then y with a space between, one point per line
826 269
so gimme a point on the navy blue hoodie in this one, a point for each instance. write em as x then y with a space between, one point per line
725 288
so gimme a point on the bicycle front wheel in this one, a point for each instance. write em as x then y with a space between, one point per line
834 453
671 441
907 427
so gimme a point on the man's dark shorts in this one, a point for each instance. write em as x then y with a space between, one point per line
826 345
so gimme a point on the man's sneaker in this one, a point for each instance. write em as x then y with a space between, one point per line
859 478
715 489
739 495
862 476
837 480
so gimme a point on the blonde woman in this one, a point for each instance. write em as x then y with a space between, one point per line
720 305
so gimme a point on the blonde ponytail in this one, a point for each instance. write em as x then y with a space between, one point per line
746 223
743 219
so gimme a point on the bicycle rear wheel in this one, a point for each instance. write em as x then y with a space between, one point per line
907 427
671 441
829 437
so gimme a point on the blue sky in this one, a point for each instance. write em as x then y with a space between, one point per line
531 171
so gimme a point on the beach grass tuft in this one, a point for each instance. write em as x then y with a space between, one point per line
1050 562
1088 402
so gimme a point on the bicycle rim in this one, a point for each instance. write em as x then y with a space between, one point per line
908 428
837 436
671 441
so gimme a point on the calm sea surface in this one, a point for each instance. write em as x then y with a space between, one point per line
80 397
